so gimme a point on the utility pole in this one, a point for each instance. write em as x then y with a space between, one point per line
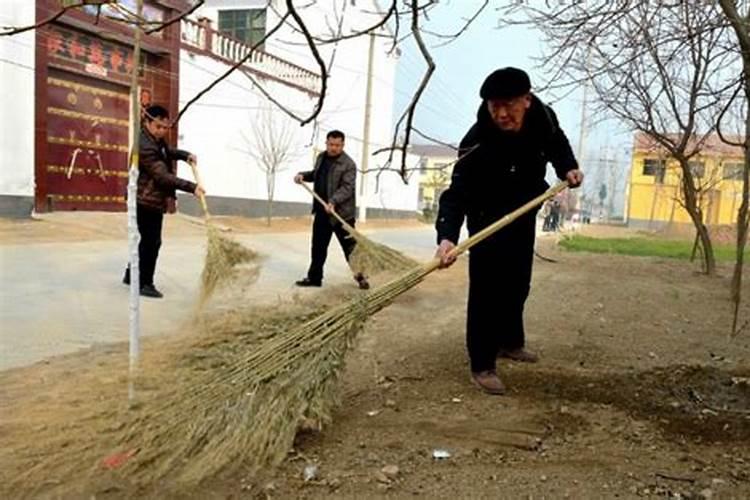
133 234
582 133
366 134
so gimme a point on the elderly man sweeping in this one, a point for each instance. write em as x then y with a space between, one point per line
502 164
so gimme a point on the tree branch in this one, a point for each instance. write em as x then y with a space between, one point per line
724 110
318 59
231 70
431 139
272 99
411 109
455 36
54 17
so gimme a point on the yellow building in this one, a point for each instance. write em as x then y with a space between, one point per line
655 199
435 169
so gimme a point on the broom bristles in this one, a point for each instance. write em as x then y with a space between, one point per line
247 414
222 256
242 404
370 258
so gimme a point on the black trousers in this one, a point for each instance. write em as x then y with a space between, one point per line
499 283
322 231
150 221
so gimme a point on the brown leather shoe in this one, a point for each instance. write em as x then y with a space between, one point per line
362 281
489 382
521 355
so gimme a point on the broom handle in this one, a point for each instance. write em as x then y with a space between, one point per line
322 202
197 178
499 224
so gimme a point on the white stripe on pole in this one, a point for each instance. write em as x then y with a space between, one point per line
133 234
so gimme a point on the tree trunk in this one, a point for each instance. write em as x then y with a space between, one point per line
696 215
743 215
270 178
740 27
696 247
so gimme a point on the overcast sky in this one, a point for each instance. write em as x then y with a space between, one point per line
449 105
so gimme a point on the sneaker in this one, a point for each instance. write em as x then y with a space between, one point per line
151 291
489 382
521 355
308 282
362 281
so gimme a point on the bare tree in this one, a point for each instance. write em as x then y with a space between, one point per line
272 144
658 67
740 23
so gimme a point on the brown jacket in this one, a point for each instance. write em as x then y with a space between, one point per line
341 182
157 179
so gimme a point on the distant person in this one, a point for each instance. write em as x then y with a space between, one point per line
555 216
334 178
157 185
502 166
547 217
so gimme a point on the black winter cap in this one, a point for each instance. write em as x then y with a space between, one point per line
505 83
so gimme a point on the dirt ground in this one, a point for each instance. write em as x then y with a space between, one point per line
640 392
85 226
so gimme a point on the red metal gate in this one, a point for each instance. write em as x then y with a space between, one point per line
82 103
87 142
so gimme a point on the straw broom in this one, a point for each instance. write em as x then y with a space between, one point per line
247 414
369 257
222 253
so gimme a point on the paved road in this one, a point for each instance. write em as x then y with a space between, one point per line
57 298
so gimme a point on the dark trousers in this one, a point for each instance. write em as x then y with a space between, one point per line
499 283
150 221
322 231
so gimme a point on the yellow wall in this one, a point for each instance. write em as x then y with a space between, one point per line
649 201
432 178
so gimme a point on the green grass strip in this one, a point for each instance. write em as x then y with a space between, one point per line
643 247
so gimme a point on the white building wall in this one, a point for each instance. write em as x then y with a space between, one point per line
17 100
219 129
214 127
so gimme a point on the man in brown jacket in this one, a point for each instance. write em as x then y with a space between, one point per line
157 185
334 179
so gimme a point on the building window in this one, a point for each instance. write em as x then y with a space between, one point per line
697 168
657 168
246 25
733 171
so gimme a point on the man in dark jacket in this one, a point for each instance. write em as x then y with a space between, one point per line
502 165
157 185
334 179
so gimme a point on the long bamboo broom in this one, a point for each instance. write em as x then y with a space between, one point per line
222 254
369 257
246 415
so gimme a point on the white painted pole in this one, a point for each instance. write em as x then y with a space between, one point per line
366 135
583 131
133 234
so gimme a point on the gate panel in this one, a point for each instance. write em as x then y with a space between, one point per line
87 143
